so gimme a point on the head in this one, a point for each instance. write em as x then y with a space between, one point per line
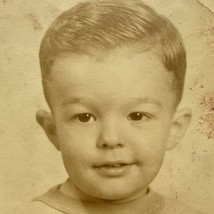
113 75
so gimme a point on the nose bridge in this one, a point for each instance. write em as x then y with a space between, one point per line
110 134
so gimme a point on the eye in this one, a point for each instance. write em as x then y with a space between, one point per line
137 116
84 117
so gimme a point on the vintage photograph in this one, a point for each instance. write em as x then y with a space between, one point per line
107 107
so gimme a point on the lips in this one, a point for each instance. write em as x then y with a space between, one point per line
113 169
117 165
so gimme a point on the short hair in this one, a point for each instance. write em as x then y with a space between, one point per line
109 24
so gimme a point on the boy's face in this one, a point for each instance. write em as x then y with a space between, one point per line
113 118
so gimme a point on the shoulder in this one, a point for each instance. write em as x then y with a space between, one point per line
55 202
178 207
43 204
41 208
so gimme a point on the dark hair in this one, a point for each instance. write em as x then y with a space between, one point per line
109 24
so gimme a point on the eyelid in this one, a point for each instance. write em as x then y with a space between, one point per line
144 114
76 117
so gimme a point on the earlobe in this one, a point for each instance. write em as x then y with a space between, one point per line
180 122
46 121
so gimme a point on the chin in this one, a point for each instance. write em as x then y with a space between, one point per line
112 194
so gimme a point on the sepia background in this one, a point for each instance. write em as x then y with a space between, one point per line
30 165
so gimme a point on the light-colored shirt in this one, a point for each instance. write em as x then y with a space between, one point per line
55 202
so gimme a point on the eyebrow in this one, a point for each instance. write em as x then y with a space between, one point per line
146 100
73 100
132 101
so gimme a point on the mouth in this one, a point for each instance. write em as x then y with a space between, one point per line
113 169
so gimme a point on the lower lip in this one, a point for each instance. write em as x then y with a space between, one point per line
113 171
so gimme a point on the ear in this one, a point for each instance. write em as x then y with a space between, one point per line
180 122
46 121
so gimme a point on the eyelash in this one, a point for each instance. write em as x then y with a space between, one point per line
84 117
139 116
134 116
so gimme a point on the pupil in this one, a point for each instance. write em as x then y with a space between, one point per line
84 117
136 116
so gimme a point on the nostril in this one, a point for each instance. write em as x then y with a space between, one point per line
109 144
104 145
120 145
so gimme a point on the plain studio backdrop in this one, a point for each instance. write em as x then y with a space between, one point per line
30 165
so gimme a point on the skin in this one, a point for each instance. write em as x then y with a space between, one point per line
108 112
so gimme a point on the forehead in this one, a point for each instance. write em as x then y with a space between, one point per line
119 58
121 72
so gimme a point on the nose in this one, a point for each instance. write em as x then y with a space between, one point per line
110 136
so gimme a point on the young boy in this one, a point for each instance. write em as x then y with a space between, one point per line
113 75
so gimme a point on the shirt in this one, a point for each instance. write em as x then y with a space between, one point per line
55 202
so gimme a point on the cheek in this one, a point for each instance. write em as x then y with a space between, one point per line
151 142
73 151
75 144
